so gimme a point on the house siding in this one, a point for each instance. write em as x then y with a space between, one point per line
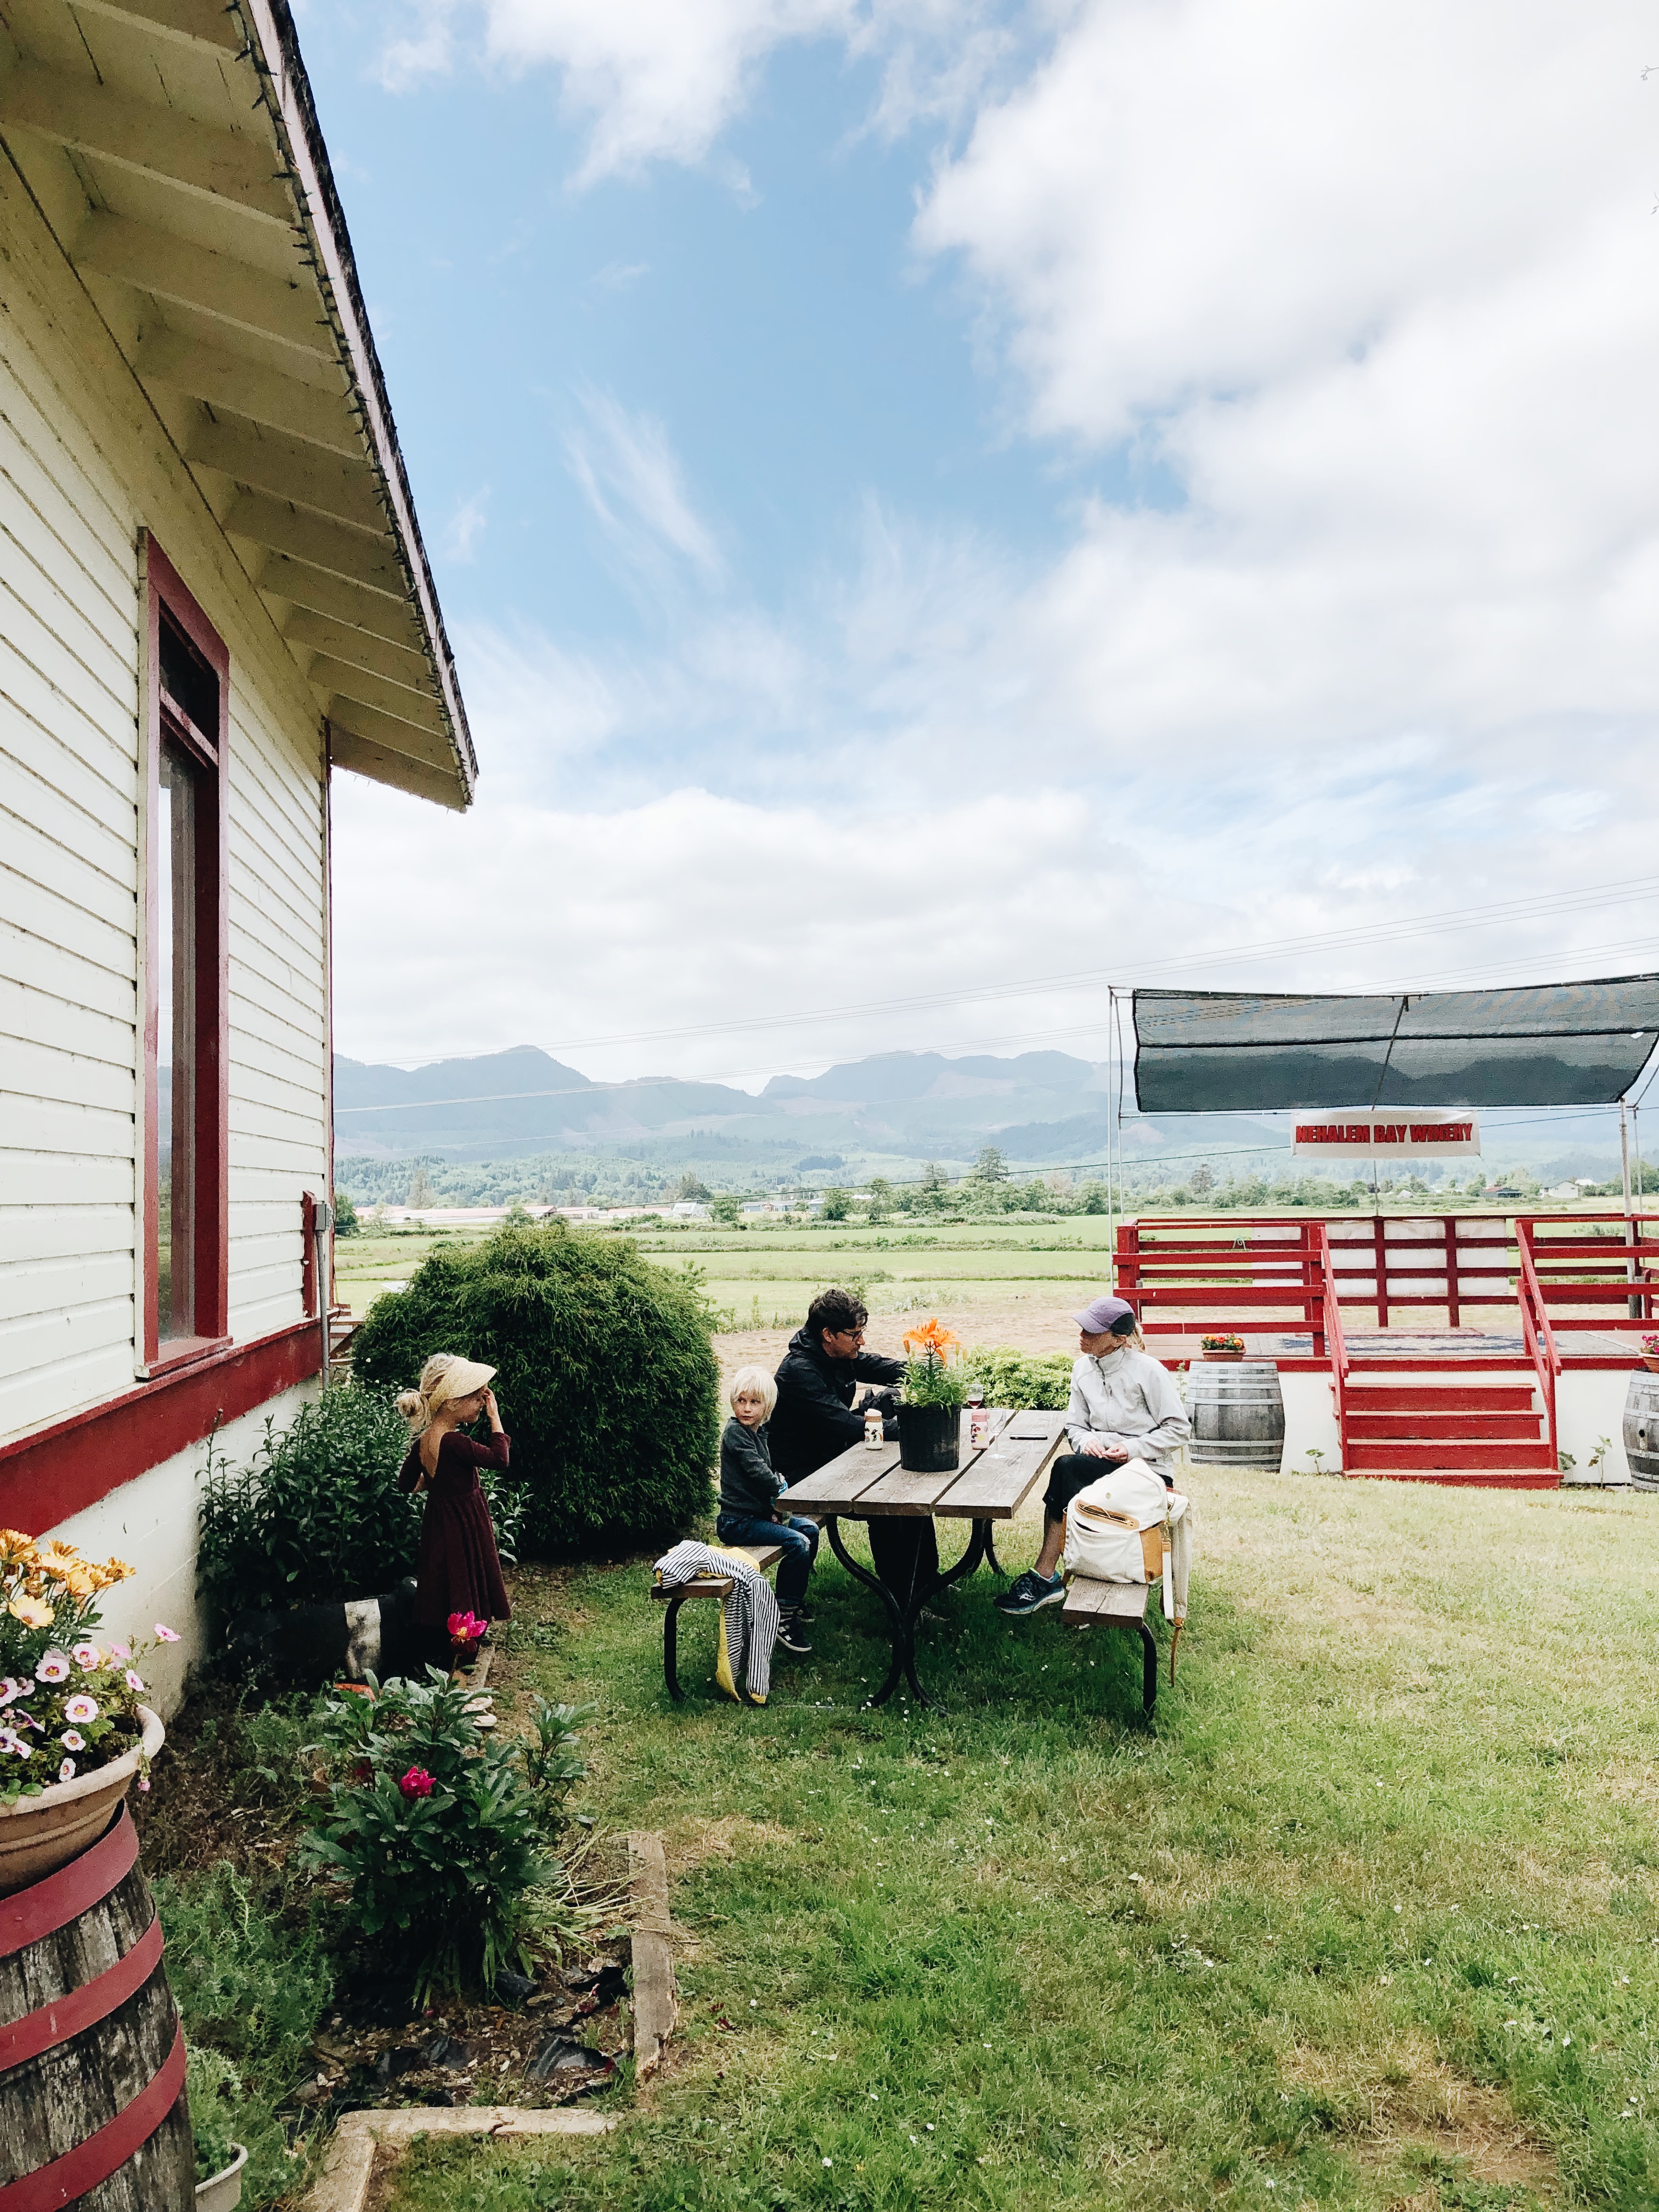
85 466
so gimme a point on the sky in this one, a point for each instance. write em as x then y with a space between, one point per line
940 507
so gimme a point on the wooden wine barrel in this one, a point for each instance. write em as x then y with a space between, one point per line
1238 1413
1642 1429
92 2059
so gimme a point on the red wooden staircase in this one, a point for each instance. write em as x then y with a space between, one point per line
1485 1436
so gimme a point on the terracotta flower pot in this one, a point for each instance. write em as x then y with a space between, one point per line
1650 1361
222 2191
39 1834
1222 1355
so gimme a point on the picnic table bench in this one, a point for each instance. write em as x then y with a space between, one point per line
991 1483
715 1586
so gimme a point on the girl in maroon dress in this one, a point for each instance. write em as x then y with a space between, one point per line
457 1569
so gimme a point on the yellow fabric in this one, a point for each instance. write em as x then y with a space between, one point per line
723 1675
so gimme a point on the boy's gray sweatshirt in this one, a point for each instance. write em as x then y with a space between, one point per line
748 1484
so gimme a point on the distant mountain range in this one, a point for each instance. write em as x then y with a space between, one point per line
887 1113
509 1105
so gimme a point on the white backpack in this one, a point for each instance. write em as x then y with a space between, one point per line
1115 1528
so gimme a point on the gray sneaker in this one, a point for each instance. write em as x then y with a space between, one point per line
1030 1592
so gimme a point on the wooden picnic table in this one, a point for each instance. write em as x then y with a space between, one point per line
992 1481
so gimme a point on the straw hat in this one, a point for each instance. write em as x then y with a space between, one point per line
460 1379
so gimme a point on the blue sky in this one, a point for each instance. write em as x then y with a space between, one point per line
930 496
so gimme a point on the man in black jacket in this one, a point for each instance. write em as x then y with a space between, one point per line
815 1420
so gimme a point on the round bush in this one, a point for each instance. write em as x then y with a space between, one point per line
608 1383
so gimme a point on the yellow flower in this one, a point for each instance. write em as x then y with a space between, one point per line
57 1559
32 1612
15 1544
81 1581
113 1570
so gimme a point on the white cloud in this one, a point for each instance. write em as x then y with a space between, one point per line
465 526
632 479
660 80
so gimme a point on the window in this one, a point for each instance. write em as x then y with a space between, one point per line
186 1212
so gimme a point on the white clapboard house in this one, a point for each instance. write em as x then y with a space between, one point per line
214 594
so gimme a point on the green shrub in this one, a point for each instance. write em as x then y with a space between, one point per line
607 1380
318 1515
1025 1381
440 1829
250 1987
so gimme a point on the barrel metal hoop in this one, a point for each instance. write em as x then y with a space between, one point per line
45 1906
62 2180
83 2007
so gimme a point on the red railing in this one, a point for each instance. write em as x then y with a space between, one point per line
1336 1340
1595 1270
1537 1332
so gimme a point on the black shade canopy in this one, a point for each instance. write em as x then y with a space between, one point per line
1547 1044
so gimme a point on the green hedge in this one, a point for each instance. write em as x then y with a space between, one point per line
1025 1381
316 1514
607 1384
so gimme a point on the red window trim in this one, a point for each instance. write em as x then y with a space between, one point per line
64 1468
165 588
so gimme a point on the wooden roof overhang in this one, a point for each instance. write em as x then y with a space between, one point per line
172 147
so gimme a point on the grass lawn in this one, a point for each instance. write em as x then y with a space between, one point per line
1368 1918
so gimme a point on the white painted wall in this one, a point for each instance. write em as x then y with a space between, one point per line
151 1523
84 462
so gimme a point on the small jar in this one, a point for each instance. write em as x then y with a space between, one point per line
872 1437
979 1428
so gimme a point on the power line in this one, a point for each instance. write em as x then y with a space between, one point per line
1626 891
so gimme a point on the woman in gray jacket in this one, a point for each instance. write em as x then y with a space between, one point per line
1124 1405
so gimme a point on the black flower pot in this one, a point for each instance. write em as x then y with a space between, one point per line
930 1439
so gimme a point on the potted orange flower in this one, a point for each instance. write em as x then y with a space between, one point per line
1227 1346
935 1392
74 1733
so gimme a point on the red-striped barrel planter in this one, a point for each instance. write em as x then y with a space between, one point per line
92 2058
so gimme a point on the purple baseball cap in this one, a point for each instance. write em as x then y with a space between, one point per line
1105 1315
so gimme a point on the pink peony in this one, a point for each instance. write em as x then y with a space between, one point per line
66 1771
417 1782
134 1681
87 1656
81 1708
72 1740
466 1627
166 1634
53 1668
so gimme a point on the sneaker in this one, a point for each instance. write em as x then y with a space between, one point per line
792 1636
1030 1593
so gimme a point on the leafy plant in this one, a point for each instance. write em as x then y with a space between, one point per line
1024 1381
608 1382
439 1830
346 1223
317 1514
215 2091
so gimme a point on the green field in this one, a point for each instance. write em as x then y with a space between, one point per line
1368 1920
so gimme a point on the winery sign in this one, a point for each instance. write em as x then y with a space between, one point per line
1387 1136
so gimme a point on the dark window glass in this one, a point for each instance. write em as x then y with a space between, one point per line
188 681
175 1042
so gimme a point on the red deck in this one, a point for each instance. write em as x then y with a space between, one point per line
1531 1296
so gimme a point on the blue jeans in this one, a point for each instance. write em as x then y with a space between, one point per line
800 1540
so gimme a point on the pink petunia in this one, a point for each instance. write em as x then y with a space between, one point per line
11 1742
81 1708
417 1782
166 1634
87 1656
11 1688
134 1680
120 1651
53 1668
72 1740
143 1782
66 1771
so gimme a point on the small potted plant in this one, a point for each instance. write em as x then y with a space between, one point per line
930 1411
73 1732
1651 1354
215 2090
1227 1346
